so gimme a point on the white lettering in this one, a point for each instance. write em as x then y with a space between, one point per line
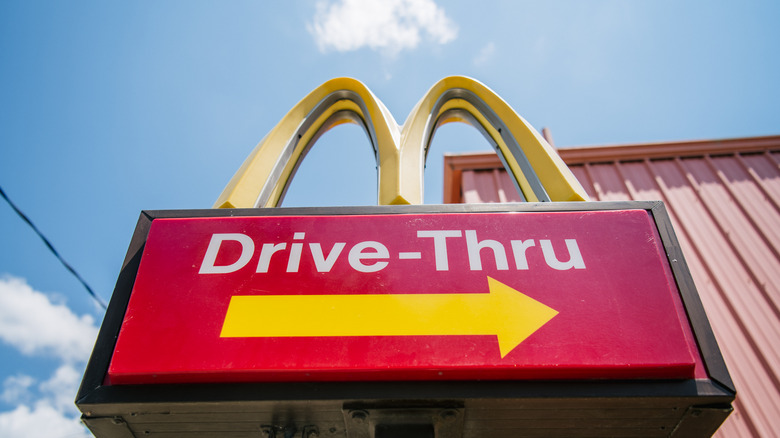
268 250
474 246
440 245
356 255
373 256
247 249
519 247
575 258
324 264
295 253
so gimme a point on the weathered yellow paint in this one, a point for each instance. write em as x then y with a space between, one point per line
401 150
503 312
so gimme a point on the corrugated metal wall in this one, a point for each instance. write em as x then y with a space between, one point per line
724 201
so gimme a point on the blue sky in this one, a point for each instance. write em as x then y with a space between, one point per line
108 108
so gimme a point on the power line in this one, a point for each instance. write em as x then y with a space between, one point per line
53 251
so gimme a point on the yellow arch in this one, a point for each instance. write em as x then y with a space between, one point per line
538 171
265 175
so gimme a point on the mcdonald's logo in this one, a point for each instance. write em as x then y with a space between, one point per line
539 173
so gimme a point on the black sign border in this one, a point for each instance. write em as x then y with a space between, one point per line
718 389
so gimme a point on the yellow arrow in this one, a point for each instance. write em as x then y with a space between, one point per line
503 312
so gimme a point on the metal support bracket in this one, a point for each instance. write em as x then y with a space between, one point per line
361 421
702 420
115 426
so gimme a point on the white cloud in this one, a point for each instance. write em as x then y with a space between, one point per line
32 323
43 420
387 25
16 388
485 54
49 413
60 390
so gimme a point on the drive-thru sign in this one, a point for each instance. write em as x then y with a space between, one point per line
538 318
555 295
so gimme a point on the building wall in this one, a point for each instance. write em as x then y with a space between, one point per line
724 201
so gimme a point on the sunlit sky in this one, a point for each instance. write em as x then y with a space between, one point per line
108 108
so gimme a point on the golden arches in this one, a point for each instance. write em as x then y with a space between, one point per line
400 151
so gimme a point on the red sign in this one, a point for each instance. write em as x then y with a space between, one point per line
548 295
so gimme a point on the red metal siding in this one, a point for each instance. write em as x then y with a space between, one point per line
489 186
724 201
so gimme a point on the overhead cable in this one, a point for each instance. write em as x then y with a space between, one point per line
53 251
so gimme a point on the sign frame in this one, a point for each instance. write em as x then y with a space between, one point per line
693 407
